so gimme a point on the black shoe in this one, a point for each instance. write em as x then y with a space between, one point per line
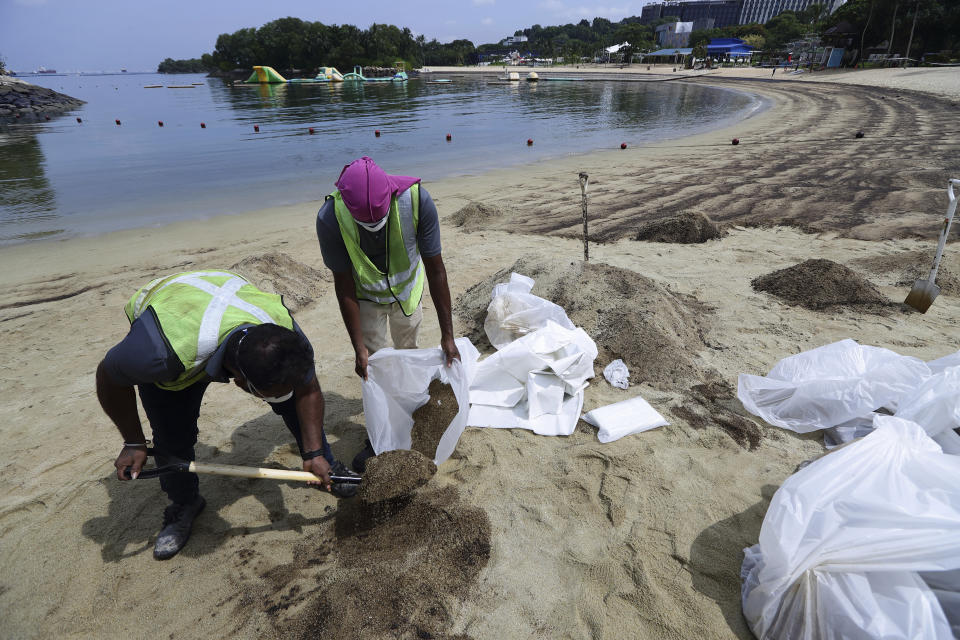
177 522
360 460
343 489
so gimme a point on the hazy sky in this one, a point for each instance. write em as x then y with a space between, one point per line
91 35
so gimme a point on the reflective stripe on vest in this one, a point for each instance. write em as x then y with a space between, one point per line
405 275
197 310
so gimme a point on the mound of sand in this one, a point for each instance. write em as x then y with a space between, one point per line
687 227
715 403
433 418
817 284
394 474
655 331
278 273
475 216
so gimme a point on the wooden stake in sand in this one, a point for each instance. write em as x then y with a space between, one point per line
583 203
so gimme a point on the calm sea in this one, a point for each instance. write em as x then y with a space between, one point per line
62 178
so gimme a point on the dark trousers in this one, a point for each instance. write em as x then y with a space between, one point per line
173 420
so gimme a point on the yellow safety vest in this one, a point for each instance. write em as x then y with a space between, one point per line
197 310
405 276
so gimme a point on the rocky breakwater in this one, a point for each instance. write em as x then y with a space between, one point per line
19 98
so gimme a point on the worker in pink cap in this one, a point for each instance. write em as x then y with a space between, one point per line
380 236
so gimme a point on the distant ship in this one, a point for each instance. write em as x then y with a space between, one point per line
44 70
123 70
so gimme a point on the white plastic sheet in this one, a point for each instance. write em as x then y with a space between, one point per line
845 538
396 386
620 419
515 312
617 374
830 385
535 382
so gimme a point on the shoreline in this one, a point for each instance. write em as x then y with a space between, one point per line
588 539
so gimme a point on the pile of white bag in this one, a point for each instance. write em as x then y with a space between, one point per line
537 377
865 542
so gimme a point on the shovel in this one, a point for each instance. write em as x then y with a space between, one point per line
924 292
183 466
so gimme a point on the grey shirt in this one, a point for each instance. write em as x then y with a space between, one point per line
145 357
374 244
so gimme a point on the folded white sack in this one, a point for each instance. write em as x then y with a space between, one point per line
624 418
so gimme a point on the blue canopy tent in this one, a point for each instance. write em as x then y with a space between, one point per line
729 48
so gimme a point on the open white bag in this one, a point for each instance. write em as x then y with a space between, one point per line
515 312
845 540
830 385
396 386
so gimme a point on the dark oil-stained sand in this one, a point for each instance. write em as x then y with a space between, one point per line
818 284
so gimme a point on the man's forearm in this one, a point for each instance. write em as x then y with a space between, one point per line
119 402
349 308
310 410
440 293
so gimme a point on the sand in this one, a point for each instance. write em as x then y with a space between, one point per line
395 474
818 284
548 537
432 419
687 227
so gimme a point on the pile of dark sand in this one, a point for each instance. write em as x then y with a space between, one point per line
475 216
715 403
381 573
394 474
278 273
818 284
687 227
433 418
655 331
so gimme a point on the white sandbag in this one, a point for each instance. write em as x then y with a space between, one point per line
935 403
614 421
617 374
830 385
518 417
844 540
938 365
396 386
515 312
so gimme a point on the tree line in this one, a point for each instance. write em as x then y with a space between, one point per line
292 43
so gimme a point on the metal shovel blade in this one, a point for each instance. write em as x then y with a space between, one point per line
922 295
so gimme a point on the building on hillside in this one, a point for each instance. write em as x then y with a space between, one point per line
763 10
723 12
723 48
728 12
512 41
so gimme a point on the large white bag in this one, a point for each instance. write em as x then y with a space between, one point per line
845 539
396 386
514 312
830 385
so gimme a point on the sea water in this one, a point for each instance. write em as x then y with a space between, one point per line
62 178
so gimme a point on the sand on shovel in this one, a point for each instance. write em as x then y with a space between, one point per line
817 284
395 474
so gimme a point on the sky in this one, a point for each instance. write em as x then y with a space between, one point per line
106 35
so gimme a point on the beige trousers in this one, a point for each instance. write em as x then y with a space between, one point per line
373 322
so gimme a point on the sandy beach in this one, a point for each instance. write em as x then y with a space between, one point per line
639 538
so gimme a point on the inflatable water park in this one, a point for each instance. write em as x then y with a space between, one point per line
269 75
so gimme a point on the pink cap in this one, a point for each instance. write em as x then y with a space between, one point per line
366 189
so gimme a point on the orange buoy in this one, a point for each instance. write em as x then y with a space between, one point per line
623 145
529 142
377 133
735 141
310 130
256 128
449 137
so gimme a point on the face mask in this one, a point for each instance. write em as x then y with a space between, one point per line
278 400
373 227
